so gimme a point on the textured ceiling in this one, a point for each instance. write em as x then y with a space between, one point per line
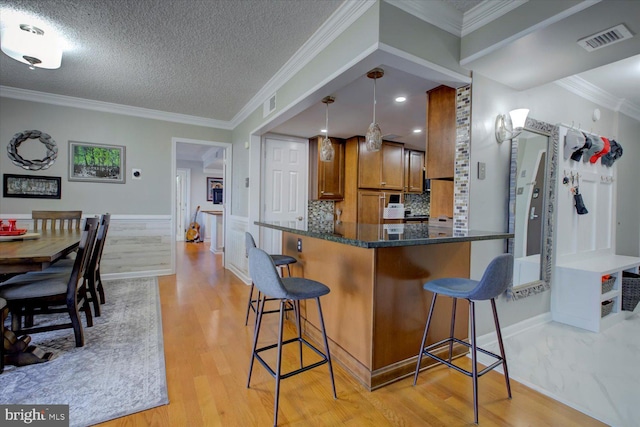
193 57
209 58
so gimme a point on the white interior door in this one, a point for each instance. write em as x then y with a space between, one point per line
284 187
182 202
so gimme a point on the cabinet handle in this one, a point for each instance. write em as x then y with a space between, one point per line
383 183
322 192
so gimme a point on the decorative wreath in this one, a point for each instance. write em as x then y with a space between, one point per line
34 165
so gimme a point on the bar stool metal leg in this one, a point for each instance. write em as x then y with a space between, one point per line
296 308
326 348
278 363
256 333
453 326
424 338
502 353
474 359
250 304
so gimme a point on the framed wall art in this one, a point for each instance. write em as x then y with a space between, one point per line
96 162
214 189
31 186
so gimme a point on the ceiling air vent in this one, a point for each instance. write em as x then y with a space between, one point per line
605 38
269 105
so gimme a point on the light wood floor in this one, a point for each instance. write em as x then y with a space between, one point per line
207 351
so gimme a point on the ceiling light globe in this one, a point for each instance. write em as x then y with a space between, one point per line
373 138
26 46
327 152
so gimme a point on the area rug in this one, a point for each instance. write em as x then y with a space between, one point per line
119 371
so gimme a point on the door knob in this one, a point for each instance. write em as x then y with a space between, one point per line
300 218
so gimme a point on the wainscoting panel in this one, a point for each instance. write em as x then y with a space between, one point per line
235 252
138 245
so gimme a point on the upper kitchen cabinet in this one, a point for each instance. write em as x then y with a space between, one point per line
384 169
413 171
326 179
441 132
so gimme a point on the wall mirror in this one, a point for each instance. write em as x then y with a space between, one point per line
532 184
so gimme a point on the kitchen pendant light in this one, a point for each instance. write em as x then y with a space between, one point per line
327 151
373 138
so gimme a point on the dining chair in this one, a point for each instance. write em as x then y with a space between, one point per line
45 220
92 277
3 311
36 294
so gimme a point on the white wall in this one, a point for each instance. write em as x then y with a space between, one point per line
148 147
489 197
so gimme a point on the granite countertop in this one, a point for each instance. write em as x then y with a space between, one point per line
384 235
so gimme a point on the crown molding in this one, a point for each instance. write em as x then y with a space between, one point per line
107 107
435 13
486 12
593 93
338 22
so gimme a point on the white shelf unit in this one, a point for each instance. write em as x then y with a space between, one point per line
577 293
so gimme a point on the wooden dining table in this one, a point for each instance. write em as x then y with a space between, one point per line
35 253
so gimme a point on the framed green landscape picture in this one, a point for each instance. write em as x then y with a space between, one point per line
96 162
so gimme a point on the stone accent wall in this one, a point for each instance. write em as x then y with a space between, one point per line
463 156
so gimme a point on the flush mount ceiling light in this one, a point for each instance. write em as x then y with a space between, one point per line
30 45
327 151
518 119
401 99
373 138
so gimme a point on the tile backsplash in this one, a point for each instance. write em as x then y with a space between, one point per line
418 204
320 210
323 210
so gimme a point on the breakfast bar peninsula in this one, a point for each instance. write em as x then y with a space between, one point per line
376 310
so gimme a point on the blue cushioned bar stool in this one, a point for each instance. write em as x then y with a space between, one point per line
279 260
295 289
495 280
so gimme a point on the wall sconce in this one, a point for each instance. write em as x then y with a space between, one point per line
327 151
29 45
518 119
373 138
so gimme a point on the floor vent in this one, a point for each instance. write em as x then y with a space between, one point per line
605 38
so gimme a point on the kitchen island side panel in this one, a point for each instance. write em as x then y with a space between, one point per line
348 308
401 305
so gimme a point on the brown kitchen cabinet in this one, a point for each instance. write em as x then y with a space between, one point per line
384 169
413 171
371 205
441 132
326 179
441 198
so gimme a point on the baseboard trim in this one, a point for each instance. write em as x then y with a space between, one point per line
515 329
136 274
239 274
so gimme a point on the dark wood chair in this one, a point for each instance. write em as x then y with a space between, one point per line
3 315
36 294
93 280
52 220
